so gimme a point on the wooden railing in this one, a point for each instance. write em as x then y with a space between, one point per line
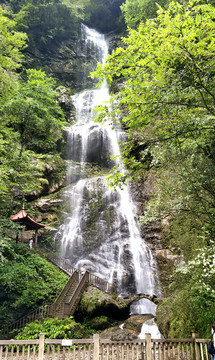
63 264
32 316
71 306
185 349
101 284
105 349
73 278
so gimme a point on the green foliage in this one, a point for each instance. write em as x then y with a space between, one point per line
100 323
192 309
78 8
165 68
88 304
18 4
26 280
137 11
53 329
31 123
7 227
11 45
47 24
17 177
33 112
105 16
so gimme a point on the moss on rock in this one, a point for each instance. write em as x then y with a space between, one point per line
95 303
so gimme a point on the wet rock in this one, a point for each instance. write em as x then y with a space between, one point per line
117 334
135 322
129 330
47 204
166 255
94 303
65 101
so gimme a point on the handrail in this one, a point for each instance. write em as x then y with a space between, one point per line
106 349
77 294
32 316
101 284
73 277
62 264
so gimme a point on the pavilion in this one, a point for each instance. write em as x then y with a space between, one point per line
23 218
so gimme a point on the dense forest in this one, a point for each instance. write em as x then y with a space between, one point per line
161 76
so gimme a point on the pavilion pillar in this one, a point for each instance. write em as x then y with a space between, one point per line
22 236
35 240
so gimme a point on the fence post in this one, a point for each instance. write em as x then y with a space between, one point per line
148 347
196 347
41 347
96 347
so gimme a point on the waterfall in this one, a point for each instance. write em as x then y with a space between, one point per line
100 230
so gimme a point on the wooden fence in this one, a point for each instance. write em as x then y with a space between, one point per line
104 349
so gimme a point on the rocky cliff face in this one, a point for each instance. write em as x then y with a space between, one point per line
66 60
61 60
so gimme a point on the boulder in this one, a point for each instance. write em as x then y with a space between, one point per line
129 330
117 334
166 255
95 302
135 322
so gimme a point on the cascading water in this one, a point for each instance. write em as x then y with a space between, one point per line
100 230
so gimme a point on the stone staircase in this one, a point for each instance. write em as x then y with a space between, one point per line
66 295
71 294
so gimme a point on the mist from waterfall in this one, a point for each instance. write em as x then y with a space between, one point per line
100 230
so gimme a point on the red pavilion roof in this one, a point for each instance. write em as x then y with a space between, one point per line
23 218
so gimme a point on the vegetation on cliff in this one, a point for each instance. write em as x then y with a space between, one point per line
163 78
26 280
31 121
165 100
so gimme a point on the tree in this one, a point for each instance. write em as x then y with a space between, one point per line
77 7
166 66
192 306
31 126
34 113
54 329
137 11
11 45
105 15
20 177
27 281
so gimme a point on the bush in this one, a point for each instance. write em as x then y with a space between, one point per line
53 329
26 281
